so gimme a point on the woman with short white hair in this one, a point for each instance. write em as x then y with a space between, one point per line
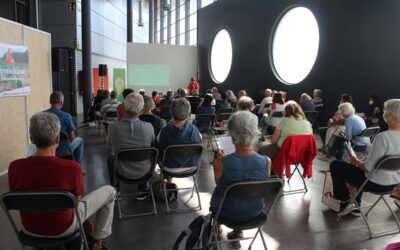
355 125
243 165
354 173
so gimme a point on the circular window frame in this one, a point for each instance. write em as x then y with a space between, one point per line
209 56
271 41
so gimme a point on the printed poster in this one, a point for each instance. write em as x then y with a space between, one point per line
14 70
119 83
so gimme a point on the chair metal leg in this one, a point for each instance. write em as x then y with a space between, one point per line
296 191
263 240
376 202
166 196
254 238
120 215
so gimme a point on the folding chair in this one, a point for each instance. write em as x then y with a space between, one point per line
297 150
183 151
42 203
225 111
269 190
387 163
64 137
312 117
370 132
205 124
130 157
193 106
269 130
165 113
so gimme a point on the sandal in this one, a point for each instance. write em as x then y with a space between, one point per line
235 234
395 196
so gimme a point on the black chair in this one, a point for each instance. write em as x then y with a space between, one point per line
312 117
64 138
226 111
183 151
132 156
271 129
370 132
269 189
42 203
387 163
204 122
193 106
165 113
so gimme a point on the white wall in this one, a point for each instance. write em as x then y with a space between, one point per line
181 59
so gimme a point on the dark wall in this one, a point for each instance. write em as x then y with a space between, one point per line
359 51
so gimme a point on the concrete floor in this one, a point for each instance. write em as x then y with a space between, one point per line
298 221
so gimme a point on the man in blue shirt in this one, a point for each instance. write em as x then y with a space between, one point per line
68 127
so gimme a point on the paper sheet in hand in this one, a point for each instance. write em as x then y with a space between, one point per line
349 148
225 143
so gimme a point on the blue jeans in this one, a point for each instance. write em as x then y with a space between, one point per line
77 150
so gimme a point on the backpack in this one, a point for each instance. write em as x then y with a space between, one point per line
159 193
196 236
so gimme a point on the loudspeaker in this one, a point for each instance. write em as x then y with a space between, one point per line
102 69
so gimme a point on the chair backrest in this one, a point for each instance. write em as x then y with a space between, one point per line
183 151
370 132
269 189
226 111
311 116
64 137
137 155
110 114
38 202
204 122
223 117
193 106
165 112
389 163
277 114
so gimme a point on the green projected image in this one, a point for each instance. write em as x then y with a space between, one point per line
148 75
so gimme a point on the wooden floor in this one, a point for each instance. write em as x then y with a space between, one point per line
298 221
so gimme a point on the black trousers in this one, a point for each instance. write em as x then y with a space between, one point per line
345 173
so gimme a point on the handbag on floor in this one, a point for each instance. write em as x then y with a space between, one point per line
327 194
196 236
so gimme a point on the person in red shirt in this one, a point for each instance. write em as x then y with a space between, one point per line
121 108
193 85
45 172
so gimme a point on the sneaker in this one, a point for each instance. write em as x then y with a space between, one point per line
141 196
356 212
345 208
262 138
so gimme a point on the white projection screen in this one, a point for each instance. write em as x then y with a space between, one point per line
160 66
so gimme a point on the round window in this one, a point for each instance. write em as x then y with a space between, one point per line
295 45
221 56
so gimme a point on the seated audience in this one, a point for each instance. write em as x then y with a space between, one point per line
231 98
205 108
243 165
242 93
178 132
182 93
142 92
193 85
335 125
156 100
148 116
294 122
216 95
354 126
266 101
317 100
245 103
110 104
195 100
167 100
354 173
306 103
277 106
68 127
131 133
222 104
374 113
44 172
106 98
121 108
